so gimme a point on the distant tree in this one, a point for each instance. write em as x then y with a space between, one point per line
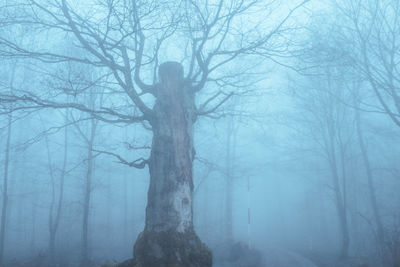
322 110
89 136
372 30
87 192
230 150
364 73
325 119
4 189
57 194
380 235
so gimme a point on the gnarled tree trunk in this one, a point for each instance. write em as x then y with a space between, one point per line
169 238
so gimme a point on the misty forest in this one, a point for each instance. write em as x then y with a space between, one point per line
199 133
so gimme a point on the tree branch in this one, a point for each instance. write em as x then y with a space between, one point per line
97 114
203 112
139 163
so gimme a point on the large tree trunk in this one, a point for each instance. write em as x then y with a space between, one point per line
169 238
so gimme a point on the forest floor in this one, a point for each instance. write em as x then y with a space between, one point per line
239 256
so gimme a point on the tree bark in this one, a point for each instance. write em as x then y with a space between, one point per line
169 238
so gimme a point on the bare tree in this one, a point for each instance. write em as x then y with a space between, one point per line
373 31
127 39
322 103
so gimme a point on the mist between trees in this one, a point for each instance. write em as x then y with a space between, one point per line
199 133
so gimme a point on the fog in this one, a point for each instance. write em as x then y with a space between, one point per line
241 133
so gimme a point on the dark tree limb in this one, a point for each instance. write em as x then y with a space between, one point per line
203 112
29 101
139 163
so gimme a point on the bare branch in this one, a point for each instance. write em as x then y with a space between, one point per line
138 163
207 112
102 114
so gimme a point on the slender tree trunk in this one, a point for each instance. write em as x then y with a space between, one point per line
344 176
229 186
230 155
125 216
371 186
340 205
340 194
342 216
52 203
125 199
109 219
346 235
169 238
87 196
5 178
5 190
33 224
55 220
